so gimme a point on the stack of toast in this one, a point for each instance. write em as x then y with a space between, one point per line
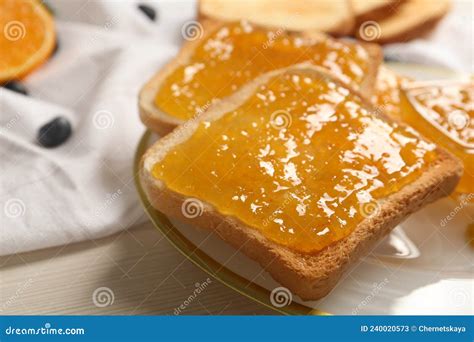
287 142
381 21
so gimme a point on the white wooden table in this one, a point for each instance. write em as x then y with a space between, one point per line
142 271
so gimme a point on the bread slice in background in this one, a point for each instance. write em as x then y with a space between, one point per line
162 123
373 9
395 20
410 20
330 16
310 276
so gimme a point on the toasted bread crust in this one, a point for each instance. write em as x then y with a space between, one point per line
151 116
413 32
162 123
310 276
378 11
412 19
341 23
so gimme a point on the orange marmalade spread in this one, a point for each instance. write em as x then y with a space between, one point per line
387 91
238 52
444 112
301 160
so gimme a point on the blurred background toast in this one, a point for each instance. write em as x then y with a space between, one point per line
379 21
334 17
410 20
373 9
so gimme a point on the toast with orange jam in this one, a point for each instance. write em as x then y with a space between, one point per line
443 111
232 54
386 95
299 172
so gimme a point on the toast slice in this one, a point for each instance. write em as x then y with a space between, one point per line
310 274
365 10
387 91
333 17
443 110
410 20
162 120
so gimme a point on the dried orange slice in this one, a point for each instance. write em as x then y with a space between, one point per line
27 37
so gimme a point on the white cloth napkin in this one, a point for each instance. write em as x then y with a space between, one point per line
449 45
84 189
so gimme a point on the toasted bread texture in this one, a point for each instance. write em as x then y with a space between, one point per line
330 16
310 276
410 20
373 9
162 123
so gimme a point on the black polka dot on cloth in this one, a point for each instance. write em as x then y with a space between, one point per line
149 11
16 87
55 132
